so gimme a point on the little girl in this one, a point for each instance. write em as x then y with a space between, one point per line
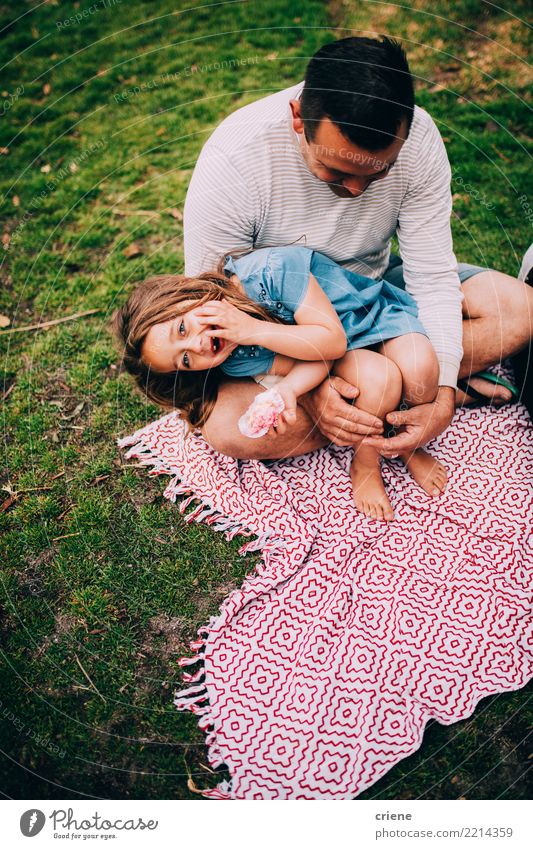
285 316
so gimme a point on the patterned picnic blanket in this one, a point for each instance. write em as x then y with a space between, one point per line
322 670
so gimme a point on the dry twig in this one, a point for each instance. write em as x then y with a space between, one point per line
46 324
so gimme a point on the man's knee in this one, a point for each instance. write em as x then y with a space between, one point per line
504 299
221 430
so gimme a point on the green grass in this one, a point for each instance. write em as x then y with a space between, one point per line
101 576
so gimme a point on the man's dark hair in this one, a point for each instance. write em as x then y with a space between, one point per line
364 86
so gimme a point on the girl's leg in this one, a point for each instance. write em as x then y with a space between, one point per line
380 388
416 359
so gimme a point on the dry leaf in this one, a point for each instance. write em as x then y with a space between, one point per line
16 200
161 131
4 151
73 167
46 169
47 88
102 72
75 412
8 502
176 213
132 251
6 238
4 321
272 56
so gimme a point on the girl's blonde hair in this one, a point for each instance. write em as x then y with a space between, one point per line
157 300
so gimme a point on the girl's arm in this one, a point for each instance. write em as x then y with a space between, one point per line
300 379
317 336
297 378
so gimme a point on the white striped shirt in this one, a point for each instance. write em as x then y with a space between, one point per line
252 188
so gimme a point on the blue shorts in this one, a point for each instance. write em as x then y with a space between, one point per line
394 271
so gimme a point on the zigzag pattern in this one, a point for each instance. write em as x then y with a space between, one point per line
323 669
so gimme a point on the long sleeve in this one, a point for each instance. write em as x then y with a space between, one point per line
429 263
218 213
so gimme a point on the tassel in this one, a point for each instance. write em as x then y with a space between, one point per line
200 711
192 679
222 791
187 704
184 504
188 661
198 688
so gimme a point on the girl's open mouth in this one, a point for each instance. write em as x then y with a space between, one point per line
216 344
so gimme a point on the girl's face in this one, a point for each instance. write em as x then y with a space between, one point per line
182 344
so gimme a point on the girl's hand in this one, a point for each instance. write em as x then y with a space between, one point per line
288 416
231 323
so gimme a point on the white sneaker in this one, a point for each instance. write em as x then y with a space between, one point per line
526 268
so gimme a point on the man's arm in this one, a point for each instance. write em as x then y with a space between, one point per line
426 248
430 273
219 213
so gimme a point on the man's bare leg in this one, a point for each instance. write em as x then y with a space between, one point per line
222 433
498 323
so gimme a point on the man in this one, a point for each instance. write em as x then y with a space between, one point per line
342 163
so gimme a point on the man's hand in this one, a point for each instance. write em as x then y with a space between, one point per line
338 420
419 425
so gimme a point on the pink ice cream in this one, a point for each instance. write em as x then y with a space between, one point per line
262 414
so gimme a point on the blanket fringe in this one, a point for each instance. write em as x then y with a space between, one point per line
203 511
196 700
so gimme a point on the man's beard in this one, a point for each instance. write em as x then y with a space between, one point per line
340 191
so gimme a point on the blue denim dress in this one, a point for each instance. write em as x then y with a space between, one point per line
371 311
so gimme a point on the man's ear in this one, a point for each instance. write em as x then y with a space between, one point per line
297 123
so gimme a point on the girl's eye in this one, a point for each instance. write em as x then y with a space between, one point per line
182 328
185 360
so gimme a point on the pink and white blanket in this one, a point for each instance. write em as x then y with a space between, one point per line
322 670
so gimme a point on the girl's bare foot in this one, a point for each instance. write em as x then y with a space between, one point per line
427 472
368 489
495 394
